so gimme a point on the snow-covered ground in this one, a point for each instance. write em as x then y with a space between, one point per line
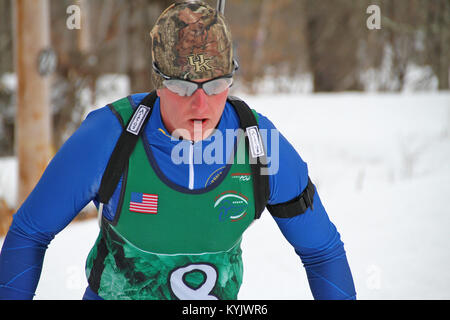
381 164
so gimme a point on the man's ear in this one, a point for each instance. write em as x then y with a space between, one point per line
158 92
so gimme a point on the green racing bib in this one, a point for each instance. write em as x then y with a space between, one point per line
173 243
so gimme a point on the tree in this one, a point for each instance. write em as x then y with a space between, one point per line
33 130
333 34
437 35
6 93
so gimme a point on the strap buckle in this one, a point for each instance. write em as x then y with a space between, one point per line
100 214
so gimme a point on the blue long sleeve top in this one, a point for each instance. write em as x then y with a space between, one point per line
72 180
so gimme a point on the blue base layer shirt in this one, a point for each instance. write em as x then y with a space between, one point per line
72 180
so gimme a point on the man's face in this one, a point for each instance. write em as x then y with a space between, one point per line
197 115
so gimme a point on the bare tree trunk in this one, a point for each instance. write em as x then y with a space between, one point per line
261 34
123 48
437 35
139 57
6 66
84 34
332 37
444 21
32 35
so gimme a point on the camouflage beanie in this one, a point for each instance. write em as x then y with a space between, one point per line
190 40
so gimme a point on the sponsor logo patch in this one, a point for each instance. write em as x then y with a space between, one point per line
138 119
232 206
242 177
255 142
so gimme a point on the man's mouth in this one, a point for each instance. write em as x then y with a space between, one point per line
199 120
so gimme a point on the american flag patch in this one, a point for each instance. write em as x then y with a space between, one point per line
144 203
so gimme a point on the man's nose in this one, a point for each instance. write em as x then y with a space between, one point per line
199 99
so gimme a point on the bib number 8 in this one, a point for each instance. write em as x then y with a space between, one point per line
184 292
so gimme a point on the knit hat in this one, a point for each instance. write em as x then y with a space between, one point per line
191 40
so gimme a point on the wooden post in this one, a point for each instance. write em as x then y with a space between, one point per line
33 120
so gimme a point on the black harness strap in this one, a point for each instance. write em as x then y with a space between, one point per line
258 160
124 147
296 206
98 265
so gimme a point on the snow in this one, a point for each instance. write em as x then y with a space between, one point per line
110 87
8 180
381 163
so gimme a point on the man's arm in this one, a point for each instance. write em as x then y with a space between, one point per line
69 183
318 244
312 234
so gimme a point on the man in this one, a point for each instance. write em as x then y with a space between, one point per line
174 206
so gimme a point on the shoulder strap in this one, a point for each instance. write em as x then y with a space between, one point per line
258 157
124 147
129 137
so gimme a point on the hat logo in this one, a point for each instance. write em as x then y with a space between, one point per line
199 62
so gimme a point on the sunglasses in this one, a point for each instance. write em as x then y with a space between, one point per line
187 88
